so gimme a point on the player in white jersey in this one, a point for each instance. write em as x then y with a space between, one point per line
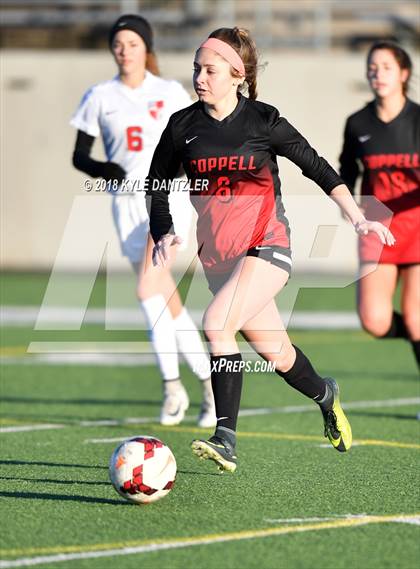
130 112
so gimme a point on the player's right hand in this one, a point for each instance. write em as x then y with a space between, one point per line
364 227
113 171
160 254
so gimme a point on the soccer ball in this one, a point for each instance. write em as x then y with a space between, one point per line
142 469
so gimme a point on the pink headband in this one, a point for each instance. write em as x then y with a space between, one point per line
226 51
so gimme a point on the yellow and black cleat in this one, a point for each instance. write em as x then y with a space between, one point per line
217 450
336 426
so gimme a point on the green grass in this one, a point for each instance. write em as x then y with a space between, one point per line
15 290
54 483
56 493
28 289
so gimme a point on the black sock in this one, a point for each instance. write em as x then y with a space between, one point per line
227 435
397 329
416 350
226 381
303 377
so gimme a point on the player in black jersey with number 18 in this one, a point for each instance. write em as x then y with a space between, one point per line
231 142
384 139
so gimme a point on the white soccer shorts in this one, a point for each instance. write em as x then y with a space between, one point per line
132 221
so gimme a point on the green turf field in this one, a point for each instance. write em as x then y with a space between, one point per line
294 502
15 290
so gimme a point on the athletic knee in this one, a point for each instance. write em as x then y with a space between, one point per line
285 359
215 329
141 293
411 318
375 322
145 288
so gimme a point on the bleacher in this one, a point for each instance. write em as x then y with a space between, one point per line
180 24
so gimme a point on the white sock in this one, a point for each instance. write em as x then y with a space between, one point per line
207 391
162 335
190 345
172 386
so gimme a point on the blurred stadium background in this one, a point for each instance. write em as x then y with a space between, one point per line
73 382
313 56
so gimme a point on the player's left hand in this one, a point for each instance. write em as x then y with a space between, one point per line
160 255
384 234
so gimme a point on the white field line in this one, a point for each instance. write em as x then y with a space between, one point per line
178 543
350 405
414 520
401 402
307 520
25 428
59 317
104 441
126 360
116 422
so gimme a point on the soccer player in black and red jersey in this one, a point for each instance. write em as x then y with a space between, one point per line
231 141
383 140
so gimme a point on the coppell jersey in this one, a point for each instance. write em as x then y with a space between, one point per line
388 154
241 206
130 120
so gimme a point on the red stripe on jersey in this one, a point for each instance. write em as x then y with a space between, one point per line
238 219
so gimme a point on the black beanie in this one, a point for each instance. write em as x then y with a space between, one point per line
136 24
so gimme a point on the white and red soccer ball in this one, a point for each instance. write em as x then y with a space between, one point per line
142 469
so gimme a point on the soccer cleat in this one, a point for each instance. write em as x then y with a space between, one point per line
207 416
173 407
218 450
336 426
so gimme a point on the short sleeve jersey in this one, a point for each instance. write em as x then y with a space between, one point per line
241 207
130 121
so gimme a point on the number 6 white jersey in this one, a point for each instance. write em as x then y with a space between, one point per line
130 122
